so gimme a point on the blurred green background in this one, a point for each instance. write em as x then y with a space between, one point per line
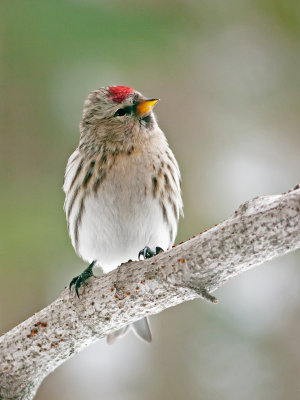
227 73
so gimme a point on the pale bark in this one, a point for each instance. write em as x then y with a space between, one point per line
261 229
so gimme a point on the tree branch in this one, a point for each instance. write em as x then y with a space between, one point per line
261 229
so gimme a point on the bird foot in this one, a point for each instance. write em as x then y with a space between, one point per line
146 252
81 279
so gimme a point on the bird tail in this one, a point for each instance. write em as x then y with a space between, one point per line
141 329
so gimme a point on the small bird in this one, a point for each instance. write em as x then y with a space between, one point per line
122 185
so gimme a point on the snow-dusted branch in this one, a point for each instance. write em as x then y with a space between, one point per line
261 229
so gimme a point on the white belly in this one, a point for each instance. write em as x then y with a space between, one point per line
122 218
115 227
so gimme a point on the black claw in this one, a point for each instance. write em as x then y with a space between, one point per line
81 279
73 282
146 252
141 253
78 284
158 250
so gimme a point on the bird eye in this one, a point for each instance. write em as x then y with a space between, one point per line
120 112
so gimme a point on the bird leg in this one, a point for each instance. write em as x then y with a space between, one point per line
81 279
146 252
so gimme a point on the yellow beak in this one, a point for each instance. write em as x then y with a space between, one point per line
145 106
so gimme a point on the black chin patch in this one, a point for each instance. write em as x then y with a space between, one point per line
147 121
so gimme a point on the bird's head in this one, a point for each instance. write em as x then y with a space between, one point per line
117 114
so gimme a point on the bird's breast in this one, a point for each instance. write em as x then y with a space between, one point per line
121 203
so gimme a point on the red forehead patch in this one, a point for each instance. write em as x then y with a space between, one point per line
119 93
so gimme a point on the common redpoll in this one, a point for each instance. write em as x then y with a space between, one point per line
122 186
